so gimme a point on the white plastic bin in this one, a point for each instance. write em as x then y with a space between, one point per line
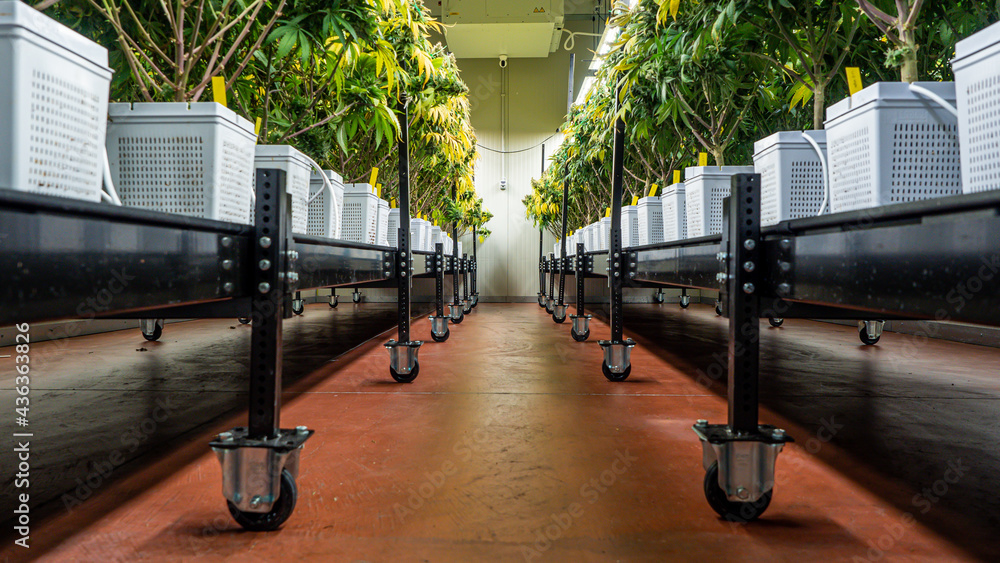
630 226
977 85
889 145
360 220
705 187
191 159
392 229
674 213
792 182
383 223
650 220
53 106
325 212
604 234
427 232
298 171
436 237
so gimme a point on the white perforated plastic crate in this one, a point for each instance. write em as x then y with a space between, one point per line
298 171
889 145
436 237
191 159
383 223
705 187
630 226
977 85
53 106
791 176
604 234
325 212
392 229
674 213
417 241
426 235
360 220
650 220
589 238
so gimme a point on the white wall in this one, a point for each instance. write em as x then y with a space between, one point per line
536 98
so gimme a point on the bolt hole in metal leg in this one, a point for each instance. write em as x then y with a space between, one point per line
152 329
870 332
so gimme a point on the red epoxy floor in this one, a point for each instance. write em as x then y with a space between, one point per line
510 433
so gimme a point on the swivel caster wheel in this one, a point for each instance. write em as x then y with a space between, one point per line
729 510
867 339
298 306
541 300
280 510
658 298
475 301
441 338
334 301
459 320
152 329
684 301
244 320
580 337
559 320
775 322
407 377
615 376
718 308
467 309
356 297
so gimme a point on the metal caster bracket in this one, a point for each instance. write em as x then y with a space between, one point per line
456 313
334 301
251 469
745 461
541 299
439 326
475 300
151 329
870 331
403 359
685 301
559 313
617 355
466 306
549 302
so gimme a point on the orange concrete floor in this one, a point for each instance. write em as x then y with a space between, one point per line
510 434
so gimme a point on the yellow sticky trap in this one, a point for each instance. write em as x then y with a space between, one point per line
392 203
607 212
219 90
652 190
378 191
854 80
374 179
677 176
703 159
635 200
256 127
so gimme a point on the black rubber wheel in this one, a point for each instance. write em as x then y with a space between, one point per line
475 302
580 337
459 320
408 378
557 319
718 309
658 298
334 302
155 335
467 311
541 301
356 297
684 305
437 338
280 510
299 308
730 511
244 320
865 339
615 376
776 322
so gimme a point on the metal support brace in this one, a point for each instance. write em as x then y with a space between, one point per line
403 353
741 455
617 362
253 458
